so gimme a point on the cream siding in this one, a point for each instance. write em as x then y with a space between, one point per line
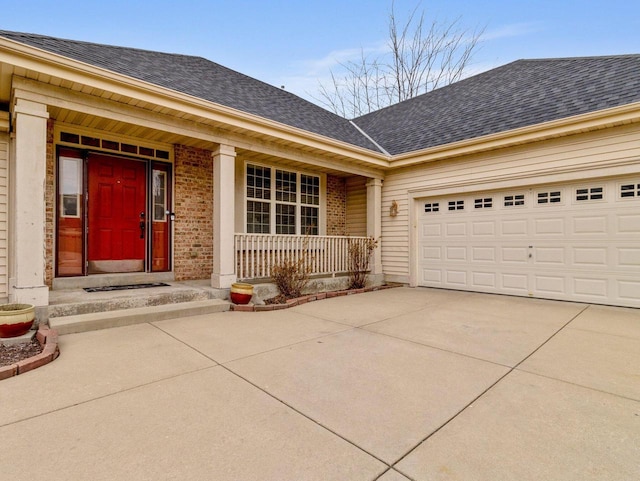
608 152
4 213
356 223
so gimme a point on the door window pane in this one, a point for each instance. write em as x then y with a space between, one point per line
70 185
159 196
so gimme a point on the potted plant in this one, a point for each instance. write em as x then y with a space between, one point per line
16 319
241 293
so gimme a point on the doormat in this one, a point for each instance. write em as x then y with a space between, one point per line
124 287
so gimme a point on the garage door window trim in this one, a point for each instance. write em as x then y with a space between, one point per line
516 200
629 190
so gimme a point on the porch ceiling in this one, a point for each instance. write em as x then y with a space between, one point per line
63 98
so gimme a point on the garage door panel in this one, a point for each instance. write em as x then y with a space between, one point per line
589 257
457 229
483 229
515 255
432 253
483 254
549 284
549 227
629 257
432 276
484 280
515 282
549 255
629 223
590 225
456 278
629 290
571 245
590 287
514 227
431 230
454 253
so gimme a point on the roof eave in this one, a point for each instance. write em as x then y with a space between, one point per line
557 128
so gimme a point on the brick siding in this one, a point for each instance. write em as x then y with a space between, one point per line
336 205
193 227
49 201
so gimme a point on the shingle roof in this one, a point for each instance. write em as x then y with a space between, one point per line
204 79
519 94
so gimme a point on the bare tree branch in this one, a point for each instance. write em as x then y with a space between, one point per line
421 57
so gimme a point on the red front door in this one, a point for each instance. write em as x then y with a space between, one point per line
117 214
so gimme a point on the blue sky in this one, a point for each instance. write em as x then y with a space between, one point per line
297 43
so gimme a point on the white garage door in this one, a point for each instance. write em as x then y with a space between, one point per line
578 242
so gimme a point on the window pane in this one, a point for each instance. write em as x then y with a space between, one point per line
309 189
286 186
309 220
258 182
285 219
258 217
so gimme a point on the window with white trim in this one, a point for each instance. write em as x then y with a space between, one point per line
483 203
432 207
549 197
456 205
629 190
513 200
282 201
590 193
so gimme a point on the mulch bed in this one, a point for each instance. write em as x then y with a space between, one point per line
12 354
281 302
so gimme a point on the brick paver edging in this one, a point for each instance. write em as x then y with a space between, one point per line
304 299
48 339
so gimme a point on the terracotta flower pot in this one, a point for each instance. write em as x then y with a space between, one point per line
241 293
16 319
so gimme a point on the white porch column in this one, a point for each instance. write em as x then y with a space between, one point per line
27 205
374 223
224 168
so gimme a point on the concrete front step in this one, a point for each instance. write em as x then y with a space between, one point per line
128 300
103 320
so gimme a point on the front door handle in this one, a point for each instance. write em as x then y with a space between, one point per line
142 225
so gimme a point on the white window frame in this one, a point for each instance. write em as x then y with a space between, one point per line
322 208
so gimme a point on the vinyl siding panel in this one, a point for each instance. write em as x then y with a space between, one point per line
589 155
4 214
356 224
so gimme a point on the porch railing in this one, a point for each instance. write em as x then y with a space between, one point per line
257 253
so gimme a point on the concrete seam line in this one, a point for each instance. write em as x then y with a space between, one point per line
486 390
306 416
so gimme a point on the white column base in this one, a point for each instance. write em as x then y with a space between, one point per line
35 295
222 281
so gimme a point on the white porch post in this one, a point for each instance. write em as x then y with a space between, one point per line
27 205
223 216
374 223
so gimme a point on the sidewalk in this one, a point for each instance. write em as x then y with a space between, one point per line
399 384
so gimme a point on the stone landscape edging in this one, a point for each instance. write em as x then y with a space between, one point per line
297 301
48 339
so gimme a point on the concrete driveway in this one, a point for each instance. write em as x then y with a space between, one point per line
400 384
